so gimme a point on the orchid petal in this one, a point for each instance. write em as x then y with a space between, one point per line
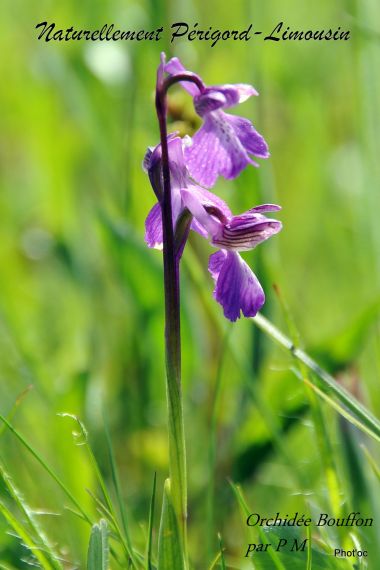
197 227
245 91
174 67
222 96
215 263
265 208
211 201
208 101
236 286
246 231
153 228
209 223
178 172
215 150
251 140
147 158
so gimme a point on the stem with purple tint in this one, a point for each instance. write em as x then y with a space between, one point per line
171 259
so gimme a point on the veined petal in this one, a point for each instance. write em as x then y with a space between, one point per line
209 100
210 200
222 96
197 227
153 227
246 231
147 158
251 140
265 208
245 91
215 263
212 225
178 171
215 150
153 154
236 286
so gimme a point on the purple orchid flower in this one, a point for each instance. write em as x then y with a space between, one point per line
224 143
237 288
180 181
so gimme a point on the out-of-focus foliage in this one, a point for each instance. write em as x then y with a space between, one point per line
81 297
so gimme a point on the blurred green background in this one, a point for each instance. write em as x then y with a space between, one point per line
81 298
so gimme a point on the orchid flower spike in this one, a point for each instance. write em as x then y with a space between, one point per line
224 143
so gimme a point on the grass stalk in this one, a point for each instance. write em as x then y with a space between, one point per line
47 468
329 388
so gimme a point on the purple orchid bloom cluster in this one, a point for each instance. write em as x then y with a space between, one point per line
221 147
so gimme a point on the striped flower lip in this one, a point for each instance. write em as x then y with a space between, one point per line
235 233
246 231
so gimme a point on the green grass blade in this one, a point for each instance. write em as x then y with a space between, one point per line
309 550
151 522
357 412
372 462
246 511
110 510
74 512
18 401
33 525
116 482
360 563
221 550
101 508
342 410
98 551
170 555
210 499
323 439
215 561
46 467
25 536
